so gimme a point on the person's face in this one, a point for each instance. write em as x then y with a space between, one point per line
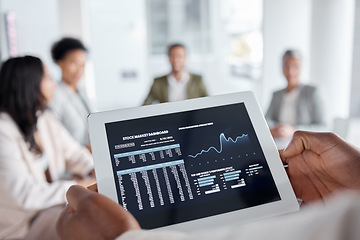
177 58
292 70
47 86
72 66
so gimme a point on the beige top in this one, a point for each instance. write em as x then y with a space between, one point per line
24 190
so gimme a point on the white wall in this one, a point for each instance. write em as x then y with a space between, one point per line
72 19
331 48
118 46
37 25
287 24
355 87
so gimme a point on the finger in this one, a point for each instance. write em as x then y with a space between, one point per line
63 222
303 140
75 195
300 141
281 156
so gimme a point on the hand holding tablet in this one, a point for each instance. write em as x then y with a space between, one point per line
189 164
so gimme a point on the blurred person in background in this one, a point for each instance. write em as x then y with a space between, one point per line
179 84
70 103
298 106
35 152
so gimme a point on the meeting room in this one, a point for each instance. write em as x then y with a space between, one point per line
169 119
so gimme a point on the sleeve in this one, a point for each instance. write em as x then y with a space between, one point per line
151 96
19 188
318 109
204 92
202 87
338 220
78 158
270 112
56 105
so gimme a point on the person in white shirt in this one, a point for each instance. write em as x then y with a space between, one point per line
70 103
179 84
319 166
35 153
298 106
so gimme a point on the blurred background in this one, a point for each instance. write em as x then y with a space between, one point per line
236 45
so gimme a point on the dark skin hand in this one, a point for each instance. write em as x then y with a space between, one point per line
90 215
320 164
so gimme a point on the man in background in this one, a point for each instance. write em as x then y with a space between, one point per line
179 84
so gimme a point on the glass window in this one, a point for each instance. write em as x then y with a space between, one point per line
172 21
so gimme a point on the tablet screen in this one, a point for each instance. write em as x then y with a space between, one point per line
189 165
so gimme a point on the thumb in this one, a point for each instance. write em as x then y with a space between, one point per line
317 142
76 194
297 145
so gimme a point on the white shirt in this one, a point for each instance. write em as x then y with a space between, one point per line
288 114
178 88
336 220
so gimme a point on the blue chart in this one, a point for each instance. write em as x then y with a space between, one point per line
241 141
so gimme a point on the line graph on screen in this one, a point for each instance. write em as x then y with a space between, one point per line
240 141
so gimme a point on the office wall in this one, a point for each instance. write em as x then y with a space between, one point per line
72 18
331 53
37 26
355 86
118 49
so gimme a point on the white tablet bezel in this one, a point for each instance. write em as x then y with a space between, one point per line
104 171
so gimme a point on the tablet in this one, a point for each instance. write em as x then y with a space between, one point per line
191 164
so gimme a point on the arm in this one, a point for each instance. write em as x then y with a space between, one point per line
270 112
56 104
23 186
151 96
204 92
78 158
